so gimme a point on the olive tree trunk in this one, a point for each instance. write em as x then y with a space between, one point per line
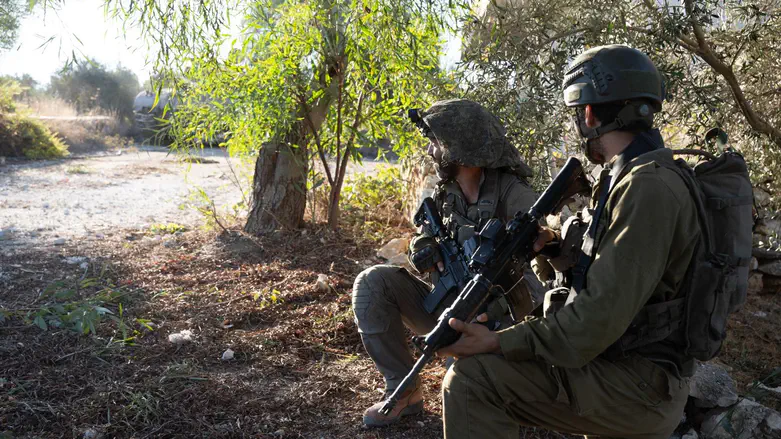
279 186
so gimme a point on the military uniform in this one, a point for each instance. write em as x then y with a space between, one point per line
553 372
386 297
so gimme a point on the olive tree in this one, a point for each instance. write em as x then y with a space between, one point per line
303 80
720 60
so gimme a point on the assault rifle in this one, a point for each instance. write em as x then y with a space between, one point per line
456 264
498 247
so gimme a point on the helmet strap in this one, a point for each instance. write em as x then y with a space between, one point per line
634 111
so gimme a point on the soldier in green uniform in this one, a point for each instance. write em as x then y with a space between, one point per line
570 371
482 177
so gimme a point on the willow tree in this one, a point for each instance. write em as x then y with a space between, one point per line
304 79
720 58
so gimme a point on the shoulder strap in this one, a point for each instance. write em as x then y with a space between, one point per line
643 144
489 195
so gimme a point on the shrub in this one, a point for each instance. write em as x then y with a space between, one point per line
372 204
21 136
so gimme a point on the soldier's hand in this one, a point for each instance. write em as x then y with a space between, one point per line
475 339
546 235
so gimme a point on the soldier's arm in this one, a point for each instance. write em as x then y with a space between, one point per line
629 265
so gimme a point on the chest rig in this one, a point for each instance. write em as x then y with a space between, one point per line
464 220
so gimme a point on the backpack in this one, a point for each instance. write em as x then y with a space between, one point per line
716 281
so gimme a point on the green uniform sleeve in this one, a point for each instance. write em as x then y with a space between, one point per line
630 261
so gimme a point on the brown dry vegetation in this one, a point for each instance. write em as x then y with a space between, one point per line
299 367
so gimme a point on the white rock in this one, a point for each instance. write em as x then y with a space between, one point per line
60 241
691 434
760 314
392 249
227 355
711 386
74 260
91 433
182 337
84 265
322 283
747 420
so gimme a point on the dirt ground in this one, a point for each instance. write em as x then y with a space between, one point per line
298 368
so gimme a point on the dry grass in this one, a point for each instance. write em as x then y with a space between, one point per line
299 369
83 133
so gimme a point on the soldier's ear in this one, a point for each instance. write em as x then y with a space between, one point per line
591 118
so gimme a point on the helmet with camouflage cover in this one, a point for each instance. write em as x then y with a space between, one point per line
470 136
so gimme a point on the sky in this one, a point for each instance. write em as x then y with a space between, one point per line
79 25
82 26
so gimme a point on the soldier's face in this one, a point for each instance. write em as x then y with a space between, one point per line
435 149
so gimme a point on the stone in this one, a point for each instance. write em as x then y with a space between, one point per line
322 283
60 241
747 420
768 227
182 337
691 434
754 264
227 355
394 248
770 284
761 197
711 386
75 260
771 268
765 254
755 284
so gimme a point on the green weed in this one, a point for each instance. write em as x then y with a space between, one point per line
77 169
166 229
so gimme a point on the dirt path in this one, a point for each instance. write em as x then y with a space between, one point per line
42 203
50 202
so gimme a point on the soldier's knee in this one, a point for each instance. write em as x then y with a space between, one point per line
371 317
458 377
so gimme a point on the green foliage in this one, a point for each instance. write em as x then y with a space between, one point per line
267 297
514 59
166 229
9 90
372 204
374 192
90 87
21 136
325 76
11 11
79 305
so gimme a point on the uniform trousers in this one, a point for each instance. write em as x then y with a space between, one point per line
487 396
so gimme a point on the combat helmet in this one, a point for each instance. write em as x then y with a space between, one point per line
615 73
470 136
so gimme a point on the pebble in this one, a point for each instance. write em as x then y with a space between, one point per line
60 241
227 355
73 260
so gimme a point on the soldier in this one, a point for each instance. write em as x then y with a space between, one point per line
482 177
571 371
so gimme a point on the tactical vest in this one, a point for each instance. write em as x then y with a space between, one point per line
464 220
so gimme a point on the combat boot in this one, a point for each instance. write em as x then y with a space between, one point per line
411 402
